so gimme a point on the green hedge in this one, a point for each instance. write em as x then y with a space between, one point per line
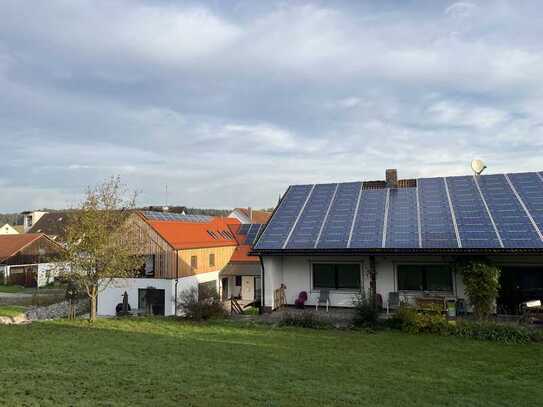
411 321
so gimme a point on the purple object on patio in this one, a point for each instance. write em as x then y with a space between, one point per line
300 301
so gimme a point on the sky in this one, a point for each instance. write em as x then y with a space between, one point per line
229 102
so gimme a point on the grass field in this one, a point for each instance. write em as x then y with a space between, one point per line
165 362
11 289
11 310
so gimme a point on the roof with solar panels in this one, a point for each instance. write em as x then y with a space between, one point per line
477 213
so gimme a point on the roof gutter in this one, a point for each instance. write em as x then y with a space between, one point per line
391 252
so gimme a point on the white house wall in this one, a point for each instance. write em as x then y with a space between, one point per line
112 294
295 272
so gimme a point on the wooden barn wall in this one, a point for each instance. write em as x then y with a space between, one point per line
222 257
40 251
154 244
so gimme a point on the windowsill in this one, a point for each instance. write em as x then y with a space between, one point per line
339 290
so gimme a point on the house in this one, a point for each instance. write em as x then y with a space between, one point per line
250 216
29 259
7 229
30 218
52 224
183 252
399 238
240 278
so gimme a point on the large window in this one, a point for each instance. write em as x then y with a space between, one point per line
425 278
336 276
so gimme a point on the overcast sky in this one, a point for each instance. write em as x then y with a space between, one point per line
230 102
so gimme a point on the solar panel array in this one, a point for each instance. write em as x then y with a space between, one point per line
150 215
250 231
488 211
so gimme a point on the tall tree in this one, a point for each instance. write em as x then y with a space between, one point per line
101 244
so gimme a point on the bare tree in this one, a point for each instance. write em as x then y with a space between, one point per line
101 244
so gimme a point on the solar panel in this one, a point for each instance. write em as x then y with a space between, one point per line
369 222
165 216
529 186
514 225
309 224
336 231
474 224
252 233
277 231
402 221
243 229
437 227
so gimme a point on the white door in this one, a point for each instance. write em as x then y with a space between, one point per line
247 288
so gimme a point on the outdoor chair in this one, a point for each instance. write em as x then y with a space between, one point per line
324 298
300 301
393 302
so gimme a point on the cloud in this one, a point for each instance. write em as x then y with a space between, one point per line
228 104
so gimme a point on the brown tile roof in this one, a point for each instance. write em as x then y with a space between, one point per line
12 244
53 224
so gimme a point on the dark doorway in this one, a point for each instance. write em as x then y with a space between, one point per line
517 285
225 288
151 300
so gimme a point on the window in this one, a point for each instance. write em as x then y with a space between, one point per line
212 260
336 276
238 281
194 262
425 278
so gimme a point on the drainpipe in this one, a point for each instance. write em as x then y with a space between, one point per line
176 279
263 293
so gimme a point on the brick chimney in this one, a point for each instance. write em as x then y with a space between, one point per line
391 177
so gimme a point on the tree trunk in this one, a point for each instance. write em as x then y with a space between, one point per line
92 301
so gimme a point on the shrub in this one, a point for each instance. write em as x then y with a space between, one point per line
492 331
409 320
366 313
481 281
305 319
202 304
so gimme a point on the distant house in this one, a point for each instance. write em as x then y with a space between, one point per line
240 279
250 216
30 218
183 252
7 229
52 224
400 238
28 259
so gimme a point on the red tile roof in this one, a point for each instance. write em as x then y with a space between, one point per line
258 217
241 253
11 244
190 235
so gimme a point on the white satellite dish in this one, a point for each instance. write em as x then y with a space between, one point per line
478 167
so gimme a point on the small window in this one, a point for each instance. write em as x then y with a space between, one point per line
238 281
194 262
336 276
212 259
425 278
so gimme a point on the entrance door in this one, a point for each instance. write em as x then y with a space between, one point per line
247 288
151 300
224 283
517 285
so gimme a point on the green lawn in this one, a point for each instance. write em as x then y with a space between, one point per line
11 310
11 289
165 362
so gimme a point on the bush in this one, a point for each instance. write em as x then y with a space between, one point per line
305 319
202 304
481 281
409 320
491 331
366 313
